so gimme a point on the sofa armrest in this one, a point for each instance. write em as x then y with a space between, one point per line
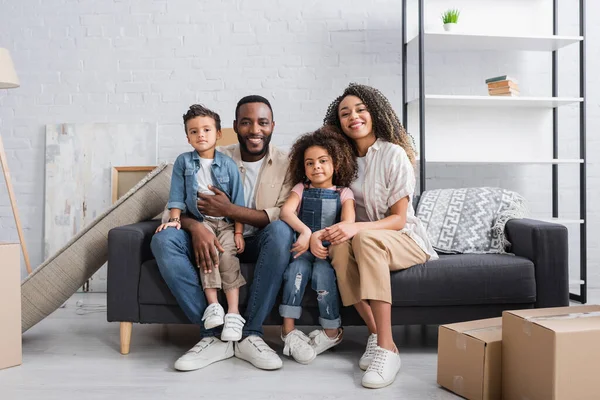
547 246
128 249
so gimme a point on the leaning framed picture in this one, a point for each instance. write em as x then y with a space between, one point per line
124 178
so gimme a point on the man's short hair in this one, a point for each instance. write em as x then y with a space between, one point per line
252 99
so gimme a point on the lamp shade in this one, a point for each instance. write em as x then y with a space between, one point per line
8 75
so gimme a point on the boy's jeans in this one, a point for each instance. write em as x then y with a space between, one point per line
321 274
269 248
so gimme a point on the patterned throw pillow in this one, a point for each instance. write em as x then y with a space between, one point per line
469 220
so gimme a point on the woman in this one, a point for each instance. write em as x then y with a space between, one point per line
387 236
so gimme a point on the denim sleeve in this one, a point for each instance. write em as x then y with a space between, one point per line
237 188
177 192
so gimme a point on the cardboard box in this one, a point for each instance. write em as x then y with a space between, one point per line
470 358
10 305
551 353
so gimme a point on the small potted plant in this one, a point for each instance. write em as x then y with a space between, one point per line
450 19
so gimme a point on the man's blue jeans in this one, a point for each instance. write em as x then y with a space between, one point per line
322 276
269 249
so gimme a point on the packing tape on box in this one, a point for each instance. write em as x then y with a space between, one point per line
457 384
461 338
529 321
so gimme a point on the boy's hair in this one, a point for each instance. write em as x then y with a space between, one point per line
340 151
252 99
198 110
386 124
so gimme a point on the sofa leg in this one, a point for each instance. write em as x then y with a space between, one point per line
125 337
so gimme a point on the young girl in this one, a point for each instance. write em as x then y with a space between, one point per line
195 172
322 165
387 236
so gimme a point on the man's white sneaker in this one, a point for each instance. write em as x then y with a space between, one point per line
297 345
213 316
232 329
321 342
383 369
254 350
367 356
207 351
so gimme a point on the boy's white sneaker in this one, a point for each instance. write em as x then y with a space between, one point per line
297 345
254 350
321 342
207 351
232 328
383 369
213 316
367 356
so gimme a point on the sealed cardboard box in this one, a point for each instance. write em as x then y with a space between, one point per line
470 358
10 305
551 353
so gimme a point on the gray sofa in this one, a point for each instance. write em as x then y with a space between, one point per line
452 289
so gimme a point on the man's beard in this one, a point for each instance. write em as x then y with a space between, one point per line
244 146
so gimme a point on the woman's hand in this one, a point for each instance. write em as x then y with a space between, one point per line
301 245
316 246
340 232
173 224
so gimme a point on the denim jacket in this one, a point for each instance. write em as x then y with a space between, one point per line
184 185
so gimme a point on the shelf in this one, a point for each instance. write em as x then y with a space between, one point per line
457 41
547 161
496 101
576 282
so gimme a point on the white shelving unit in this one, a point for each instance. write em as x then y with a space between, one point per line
450 41
490 140
495 101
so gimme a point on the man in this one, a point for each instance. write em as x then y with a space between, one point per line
180 253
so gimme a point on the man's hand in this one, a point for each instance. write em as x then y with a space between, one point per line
340 232
205 245
216 205
316 246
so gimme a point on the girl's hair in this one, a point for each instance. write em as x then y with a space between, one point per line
342 155
386 124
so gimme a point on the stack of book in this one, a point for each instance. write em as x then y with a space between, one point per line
502 85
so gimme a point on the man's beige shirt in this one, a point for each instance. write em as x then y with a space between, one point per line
272 187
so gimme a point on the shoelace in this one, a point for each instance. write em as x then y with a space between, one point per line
201 345
234 322
371 346
261 345
378 361
298 339
213 309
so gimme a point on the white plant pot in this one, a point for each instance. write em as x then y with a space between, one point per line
449 27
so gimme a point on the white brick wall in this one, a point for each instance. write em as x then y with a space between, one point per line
137 60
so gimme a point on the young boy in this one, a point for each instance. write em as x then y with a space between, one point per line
194 172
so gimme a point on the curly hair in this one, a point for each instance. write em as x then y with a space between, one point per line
340 151
386 124
198 110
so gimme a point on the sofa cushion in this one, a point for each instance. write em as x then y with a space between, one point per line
466 279
452 280
469 220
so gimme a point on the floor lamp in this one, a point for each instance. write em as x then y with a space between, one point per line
9 80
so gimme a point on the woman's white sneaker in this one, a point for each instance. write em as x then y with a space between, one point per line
297 345
232 328
321 342
369 353
383 369
213 316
